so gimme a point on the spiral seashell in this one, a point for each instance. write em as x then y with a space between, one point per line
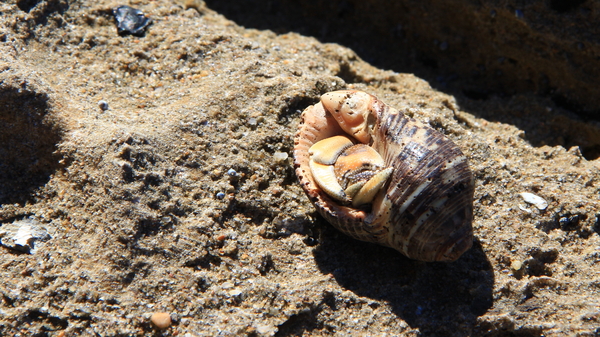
382 177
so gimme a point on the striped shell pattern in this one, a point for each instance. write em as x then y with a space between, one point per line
413 193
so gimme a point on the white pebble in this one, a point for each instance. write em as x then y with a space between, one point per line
265 329
25 235
235 292
280 156
535 200
516 265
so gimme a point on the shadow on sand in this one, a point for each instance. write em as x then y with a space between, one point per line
437 298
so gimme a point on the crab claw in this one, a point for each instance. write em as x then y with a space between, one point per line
351 174
323 154
361 172
327 150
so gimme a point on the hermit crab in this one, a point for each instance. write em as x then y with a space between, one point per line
380 176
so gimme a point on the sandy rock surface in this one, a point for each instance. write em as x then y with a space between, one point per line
160 165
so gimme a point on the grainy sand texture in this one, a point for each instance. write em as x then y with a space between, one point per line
147 186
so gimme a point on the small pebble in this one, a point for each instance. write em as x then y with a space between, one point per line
103 105
232 172
516 265
235 292
161 320
130 20
535 200
24 235
264 329
220 195
280 156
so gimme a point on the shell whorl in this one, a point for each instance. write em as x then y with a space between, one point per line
425 209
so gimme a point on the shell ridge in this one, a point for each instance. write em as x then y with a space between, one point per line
450 228
420 206
429 164
454 205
